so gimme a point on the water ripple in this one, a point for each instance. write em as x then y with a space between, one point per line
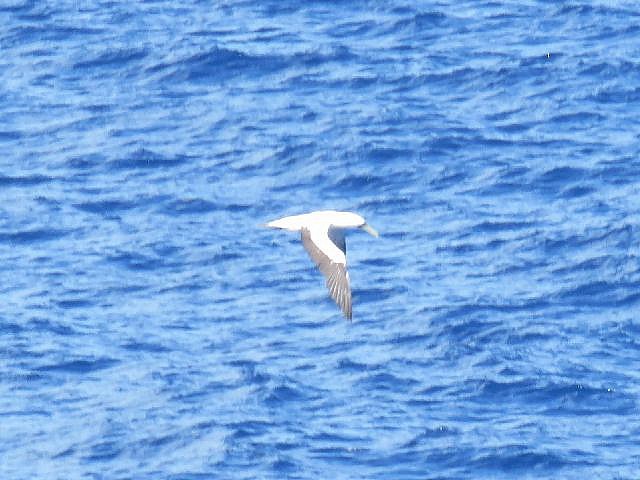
151 327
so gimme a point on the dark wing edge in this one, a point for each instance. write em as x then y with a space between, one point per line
335 273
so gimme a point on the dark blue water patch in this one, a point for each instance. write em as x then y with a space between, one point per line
187 396
191 287
349 365
49 32
20 6
167 249
8 327
392 461
350 28
184 476
624 172
291 153
106 207
302 324
27 237
85 162
75 303
601 11
101 108
24 181
514 127
495 142
23 380
561 175
418 339
251 374
616 95
361 183
579 400
577 191
67 452
618 237
581 119
6 135
631 299
142 346
386 154
464 322
607 69
465 249
227 254
376 294
153 443
137 261
428 434
50 326
447 178
457 78
480 308
192 206
525 338
501 226
384 204
445 145
26 413
503 115
599 293
115 58
283 394
382 262
333 437
627 332
248 428
314 58
143 158
553 398
496 391
385 381
522 458
237 207
557 180
284 466
424 22
80 367
221 64
583 266
334 453
104 451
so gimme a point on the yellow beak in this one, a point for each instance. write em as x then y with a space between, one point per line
370 230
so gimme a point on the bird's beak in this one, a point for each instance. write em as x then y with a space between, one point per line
370 230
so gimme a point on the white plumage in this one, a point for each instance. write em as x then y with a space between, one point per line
323 236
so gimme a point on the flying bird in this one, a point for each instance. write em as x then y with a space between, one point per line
323 236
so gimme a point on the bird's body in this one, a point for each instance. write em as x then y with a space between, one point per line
323 236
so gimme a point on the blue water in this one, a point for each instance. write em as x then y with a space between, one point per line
150 328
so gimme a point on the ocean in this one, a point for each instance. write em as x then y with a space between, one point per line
152 328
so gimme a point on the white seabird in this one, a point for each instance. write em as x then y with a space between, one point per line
323 236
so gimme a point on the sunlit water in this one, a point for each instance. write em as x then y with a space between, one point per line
150 328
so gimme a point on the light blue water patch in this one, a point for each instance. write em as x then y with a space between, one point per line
152 328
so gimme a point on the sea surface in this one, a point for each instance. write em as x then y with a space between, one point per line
151 328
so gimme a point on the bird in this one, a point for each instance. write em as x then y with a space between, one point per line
323 237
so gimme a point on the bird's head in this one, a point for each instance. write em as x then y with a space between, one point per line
351 220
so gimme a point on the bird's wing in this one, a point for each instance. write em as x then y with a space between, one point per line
332 262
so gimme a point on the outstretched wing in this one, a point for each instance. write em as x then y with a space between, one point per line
332 262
